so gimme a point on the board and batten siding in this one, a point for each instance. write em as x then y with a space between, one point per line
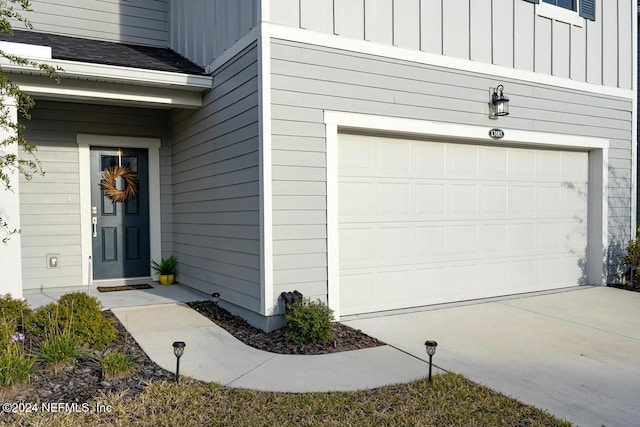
215 165
308 79
50 204
201 30
142 22
508 33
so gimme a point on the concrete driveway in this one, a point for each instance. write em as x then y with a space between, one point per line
574 353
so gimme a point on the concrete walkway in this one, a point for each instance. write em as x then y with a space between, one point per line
212 354
574 353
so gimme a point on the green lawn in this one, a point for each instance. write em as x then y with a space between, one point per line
450 400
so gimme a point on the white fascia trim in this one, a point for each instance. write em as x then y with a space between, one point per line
117 74
421 57
25 50
268 308
85 142
230 53
598 149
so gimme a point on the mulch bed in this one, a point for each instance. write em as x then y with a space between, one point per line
625 287
344 337
82 382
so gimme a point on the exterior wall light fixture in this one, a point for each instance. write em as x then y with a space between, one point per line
499 105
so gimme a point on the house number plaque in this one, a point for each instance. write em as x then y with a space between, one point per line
496 133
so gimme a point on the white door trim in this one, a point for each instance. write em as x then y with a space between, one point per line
85 142
598 149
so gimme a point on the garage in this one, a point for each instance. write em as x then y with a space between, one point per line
424 222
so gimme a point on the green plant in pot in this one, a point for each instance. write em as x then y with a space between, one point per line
167 269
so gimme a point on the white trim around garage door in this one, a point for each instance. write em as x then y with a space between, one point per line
598 154
85 142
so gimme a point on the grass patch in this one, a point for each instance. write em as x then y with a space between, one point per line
451 400
116 364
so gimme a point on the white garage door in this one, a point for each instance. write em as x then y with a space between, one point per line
429 222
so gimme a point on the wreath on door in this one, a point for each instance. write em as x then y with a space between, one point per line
108 183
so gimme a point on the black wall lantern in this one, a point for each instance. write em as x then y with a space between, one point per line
499 104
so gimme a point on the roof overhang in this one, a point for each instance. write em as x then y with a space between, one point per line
110 84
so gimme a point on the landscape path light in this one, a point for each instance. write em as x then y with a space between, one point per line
178 350
431 350
216 298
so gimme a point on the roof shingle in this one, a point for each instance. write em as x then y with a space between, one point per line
109 53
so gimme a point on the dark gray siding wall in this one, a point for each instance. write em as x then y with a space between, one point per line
308 79
50 204
216 186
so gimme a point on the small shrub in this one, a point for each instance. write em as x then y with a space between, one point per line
632 257
83 313
116 364
14 314
58 350
308 322
16 365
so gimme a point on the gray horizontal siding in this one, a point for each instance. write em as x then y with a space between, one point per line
309 79
215 186
141 22
508 33
50 204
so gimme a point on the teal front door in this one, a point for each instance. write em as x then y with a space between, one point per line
119 212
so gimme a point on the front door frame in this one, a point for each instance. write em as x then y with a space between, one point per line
85 142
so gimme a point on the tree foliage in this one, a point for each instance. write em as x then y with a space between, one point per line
23 160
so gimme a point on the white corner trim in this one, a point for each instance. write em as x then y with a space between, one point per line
421 57
598 149
634 134
267 307
85 142
333 241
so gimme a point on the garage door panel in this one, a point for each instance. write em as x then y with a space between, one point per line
522 164
462 241
437 222
548 201
429 200
395 287
429 160
494 163
394 199
549 165
574 167
394 158
394 244
357 245
493 200
462 161
522 201
462 200
356 198
493 239
430 242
